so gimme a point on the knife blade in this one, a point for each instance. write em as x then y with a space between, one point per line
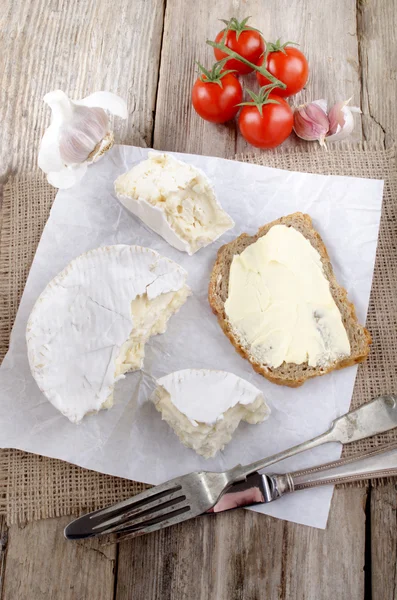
256 489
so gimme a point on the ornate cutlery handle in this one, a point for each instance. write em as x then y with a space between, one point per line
381 462
372 418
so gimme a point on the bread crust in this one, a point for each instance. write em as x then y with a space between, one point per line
359 337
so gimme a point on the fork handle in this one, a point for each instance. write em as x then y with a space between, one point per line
240 472
381 462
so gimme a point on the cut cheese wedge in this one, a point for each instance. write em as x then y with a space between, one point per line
90 324
204 407
174 199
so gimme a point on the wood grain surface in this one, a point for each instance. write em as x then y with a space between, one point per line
145 51
42 565
244 555
176 123
383 542
377 26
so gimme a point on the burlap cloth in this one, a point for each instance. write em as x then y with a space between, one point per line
34 487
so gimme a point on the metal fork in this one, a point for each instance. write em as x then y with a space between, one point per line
196 493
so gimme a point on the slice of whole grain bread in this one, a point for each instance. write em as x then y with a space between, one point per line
290 374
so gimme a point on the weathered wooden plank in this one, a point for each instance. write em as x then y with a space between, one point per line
243 555
377 26
377 23
80 47
333 61
42 564
230 556
329 564
384 542
187 26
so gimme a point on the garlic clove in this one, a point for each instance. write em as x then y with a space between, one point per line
79 134
107 101
311 122
341 121
322 103
61 106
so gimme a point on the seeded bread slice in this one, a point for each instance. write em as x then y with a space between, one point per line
290 374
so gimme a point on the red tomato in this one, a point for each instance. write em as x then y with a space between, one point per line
214 102
249 44
289 66
269 129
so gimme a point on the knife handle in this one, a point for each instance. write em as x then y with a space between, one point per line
375 417
381 462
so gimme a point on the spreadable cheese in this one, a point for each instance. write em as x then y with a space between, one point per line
280 304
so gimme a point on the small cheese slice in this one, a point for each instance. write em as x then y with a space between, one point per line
90 324
174 199
204 407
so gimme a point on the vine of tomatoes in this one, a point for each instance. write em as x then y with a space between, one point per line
282 70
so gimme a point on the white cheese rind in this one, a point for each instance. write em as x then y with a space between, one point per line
174 199
84 317
204 407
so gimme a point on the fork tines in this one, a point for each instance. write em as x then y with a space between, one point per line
164 504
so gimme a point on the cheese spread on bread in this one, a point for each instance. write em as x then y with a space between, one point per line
280 303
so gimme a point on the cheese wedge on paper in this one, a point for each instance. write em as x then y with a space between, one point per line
174 199
204 407
90 324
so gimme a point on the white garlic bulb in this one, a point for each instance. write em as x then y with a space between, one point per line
78 135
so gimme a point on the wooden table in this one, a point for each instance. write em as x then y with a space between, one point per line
145 50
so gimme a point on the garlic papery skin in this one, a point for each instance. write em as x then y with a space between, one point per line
341 121
79 134
311 122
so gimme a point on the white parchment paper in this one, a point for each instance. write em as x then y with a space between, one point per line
130 440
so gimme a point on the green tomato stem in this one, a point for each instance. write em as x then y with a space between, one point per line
262 69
